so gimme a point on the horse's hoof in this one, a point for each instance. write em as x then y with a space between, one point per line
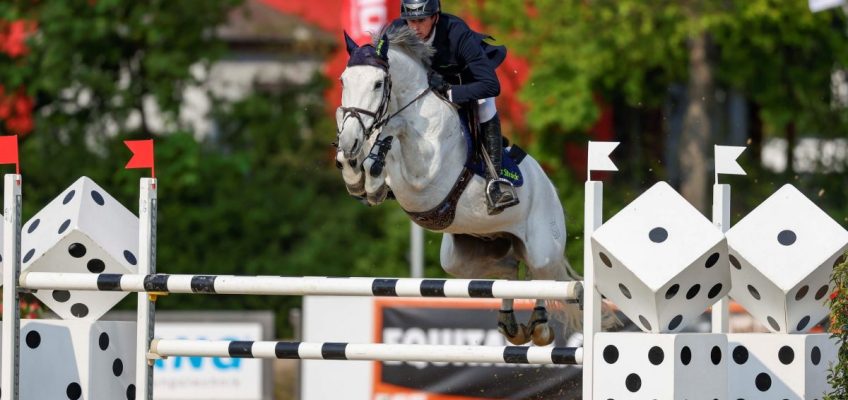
520 337
542 335
514 332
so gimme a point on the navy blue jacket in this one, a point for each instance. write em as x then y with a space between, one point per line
465 60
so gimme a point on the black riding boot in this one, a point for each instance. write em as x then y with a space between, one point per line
500 193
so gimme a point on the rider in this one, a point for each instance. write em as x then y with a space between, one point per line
464 71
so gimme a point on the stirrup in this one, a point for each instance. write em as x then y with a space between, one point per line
507 196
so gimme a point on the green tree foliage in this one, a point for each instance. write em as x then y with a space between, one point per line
838 373
258 196
628 53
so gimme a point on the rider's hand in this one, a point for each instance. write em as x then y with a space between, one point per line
438 84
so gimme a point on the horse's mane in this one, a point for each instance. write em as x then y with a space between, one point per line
403 38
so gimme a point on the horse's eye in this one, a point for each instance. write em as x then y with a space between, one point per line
378 85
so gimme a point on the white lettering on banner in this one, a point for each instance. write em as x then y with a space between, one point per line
368 16
452 337
208 377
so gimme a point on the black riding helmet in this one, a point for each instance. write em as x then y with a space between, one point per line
414 9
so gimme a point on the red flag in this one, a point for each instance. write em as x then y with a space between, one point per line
142 155
9 151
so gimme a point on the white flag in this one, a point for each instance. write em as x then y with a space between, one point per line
821 5
725 160
599 159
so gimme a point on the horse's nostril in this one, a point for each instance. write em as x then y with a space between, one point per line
356 144
352 163
338 164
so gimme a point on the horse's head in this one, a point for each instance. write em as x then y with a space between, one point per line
366 89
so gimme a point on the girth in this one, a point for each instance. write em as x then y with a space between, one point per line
442 215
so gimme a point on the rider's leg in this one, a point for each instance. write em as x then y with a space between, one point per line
501 194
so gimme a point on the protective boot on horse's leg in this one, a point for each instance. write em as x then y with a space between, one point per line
500 193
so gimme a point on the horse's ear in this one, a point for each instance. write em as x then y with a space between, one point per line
351 45
383 47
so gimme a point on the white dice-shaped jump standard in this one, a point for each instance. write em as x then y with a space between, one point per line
631 365
77 360
782 256
83 230
779 366
661 261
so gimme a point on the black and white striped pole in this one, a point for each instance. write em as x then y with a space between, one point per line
369 352
569 291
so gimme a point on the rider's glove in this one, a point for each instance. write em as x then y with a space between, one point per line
438 84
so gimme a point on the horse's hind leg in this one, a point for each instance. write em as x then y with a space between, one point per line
468 257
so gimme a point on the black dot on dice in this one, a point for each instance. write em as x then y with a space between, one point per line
64 226
685 355
740 355
715 355
773 323
29 255
786 237
693 291
117 367
734 262
803 323
645 322
839 260
658 235
712 260
624 290
656 355
821 292
786 355
802 292
95 195
763 381
633 382
61 295
74 391
675 322
672 291
815 355
605 259
130 257
79 310
131 392
68 197
76 250
754 292
33 226
103 341
96 265
610 354
714 291
33 339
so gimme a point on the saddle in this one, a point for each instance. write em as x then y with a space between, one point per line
441 216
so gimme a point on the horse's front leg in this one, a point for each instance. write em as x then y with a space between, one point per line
374 165
352 174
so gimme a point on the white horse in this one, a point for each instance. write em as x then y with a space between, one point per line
393 133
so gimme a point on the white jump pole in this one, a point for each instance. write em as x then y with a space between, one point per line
597 160
11 271
569 291
369 352
725 163
721 219
147 203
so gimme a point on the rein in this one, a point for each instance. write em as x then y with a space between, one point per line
380 116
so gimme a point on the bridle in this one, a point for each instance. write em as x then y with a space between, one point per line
380 117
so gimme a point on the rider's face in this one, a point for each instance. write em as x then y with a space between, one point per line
422 26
